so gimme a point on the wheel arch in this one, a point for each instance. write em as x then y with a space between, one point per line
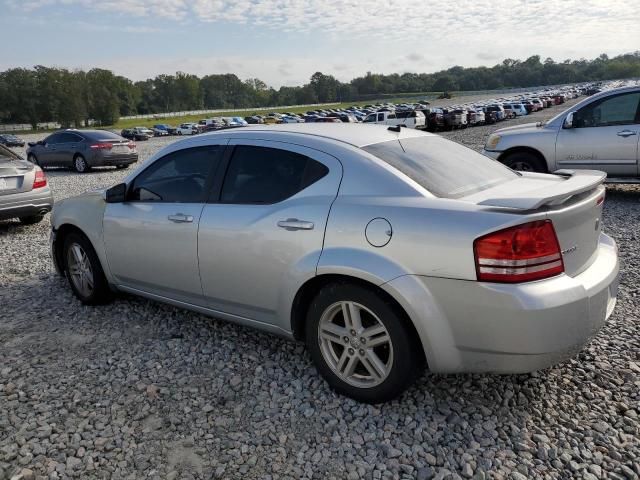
522 149
307 292
62 233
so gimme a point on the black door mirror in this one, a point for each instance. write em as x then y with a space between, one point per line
116 194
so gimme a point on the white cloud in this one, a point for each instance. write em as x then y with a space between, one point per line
360 35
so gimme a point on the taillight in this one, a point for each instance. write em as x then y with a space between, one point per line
40 180
600 200
102 146
519 254
131 145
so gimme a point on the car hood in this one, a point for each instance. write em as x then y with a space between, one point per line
519 129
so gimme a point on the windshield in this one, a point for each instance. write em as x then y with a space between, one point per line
443 167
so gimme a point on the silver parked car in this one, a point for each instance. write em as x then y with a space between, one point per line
382 248
82 150
601 132
24 192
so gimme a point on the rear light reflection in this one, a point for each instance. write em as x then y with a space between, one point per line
40 180
102 146
519 254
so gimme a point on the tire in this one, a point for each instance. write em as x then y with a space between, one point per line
31 220
87 281
524 162
397 358
80 164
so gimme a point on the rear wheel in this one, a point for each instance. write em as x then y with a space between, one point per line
31 220
524 162
80 164
361 344
84 272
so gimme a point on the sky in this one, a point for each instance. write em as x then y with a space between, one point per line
283 42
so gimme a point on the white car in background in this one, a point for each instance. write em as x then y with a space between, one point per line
187 129
403 118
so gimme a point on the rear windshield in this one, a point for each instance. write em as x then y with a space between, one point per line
103 135
444 168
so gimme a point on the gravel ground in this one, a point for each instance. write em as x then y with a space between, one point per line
136 389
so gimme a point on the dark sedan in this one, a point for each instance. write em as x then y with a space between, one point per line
83 150
10 140
24 193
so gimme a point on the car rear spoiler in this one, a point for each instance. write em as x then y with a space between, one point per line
576 182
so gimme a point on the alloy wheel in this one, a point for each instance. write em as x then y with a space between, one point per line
355 344
522 166
80 270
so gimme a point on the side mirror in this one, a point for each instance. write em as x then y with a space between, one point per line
568 121
116 194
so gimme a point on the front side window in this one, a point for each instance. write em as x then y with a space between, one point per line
69 138
444 168
261 175
621 109
179 177
53 139
381 117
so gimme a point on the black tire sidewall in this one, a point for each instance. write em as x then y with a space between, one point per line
525 157
406 363
101 292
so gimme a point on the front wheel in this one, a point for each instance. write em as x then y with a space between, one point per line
524 162
361 344
84 272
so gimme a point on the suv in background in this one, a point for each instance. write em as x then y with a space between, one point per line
599 133
82 150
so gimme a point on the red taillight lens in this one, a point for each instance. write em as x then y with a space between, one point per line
519 254
102 146
40 180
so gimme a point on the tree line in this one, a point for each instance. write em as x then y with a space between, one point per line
71 97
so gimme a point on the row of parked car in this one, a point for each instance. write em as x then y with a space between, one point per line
420 115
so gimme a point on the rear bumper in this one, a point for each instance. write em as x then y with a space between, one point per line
487 327
112 160
26 204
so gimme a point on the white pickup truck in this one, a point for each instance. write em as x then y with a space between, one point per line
409 119
599 133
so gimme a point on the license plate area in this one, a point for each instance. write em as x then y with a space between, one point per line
9 183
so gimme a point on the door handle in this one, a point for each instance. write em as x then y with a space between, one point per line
292 224
181 218
626 133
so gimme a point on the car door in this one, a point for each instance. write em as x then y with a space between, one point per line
66 148
604 136
47 153
263 235
151 239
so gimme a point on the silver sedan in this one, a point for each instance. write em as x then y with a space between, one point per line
383 249
24 191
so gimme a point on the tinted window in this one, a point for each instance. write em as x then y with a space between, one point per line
444 168
102 135
54 138
179 177
259 175
381 117
616 110
69 138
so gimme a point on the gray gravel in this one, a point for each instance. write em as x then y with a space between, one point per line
137 389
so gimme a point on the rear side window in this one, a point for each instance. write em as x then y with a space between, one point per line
261 175
178 177
444 168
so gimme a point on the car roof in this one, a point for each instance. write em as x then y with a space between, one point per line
351 133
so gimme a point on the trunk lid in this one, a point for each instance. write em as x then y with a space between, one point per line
16 175
572 200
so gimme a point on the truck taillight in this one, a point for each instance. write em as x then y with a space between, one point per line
519 254
40 180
